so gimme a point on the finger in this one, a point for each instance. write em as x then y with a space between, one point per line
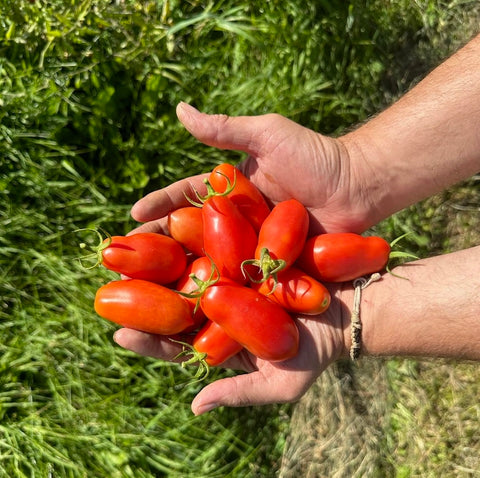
159 203
242 133
159 226
150 345
164 348
255 388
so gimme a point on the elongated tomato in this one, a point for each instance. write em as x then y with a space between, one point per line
200 268
229 238
340 257
284 231
218 346
245 195
148 256
186 226
296 292
143 305
263 327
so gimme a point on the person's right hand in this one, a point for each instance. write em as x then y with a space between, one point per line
285 160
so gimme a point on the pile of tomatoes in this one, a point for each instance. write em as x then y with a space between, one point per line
232 273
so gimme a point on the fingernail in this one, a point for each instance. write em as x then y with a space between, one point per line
186 106
206 407
116 335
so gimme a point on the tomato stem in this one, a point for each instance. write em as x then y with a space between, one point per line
211 191
97 251
195 357
268 266
398 255
202 285
399 238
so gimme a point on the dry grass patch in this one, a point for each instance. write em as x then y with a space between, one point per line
434 419
337 427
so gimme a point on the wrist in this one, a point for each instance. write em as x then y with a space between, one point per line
369 179
425 308
366 313
345 297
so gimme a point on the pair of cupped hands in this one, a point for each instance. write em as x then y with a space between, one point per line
285 160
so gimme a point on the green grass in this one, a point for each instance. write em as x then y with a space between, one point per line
88 91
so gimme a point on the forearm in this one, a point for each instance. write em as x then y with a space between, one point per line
427 141
434 311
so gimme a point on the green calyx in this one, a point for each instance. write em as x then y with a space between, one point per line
398 255
194 357
200 199
97 250
202 285
268 266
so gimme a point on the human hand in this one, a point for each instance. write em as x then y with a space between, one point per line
322 341
285 160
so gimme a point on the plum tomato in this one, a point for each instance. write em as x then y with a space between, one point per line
263 327
340 257
245 195
186 226
148 256
229 239
213 341
199 270
143 305
296 292
281 237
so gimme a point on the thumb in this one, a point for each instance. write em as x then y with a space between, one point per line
242 133
245 390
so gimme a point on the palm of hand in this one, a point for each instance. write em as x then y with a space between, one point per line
290 161
321 340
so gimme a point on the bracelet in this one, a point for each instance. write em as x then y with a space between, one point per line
356 324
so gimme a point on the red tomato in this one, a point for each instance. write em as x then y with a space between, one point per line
143 305
186 226
296 292
340 257
263 327
245 195
148 256
201 268
213 341
229 238
281 237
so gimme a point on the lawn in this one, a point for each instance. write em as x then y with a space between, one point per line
88 91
